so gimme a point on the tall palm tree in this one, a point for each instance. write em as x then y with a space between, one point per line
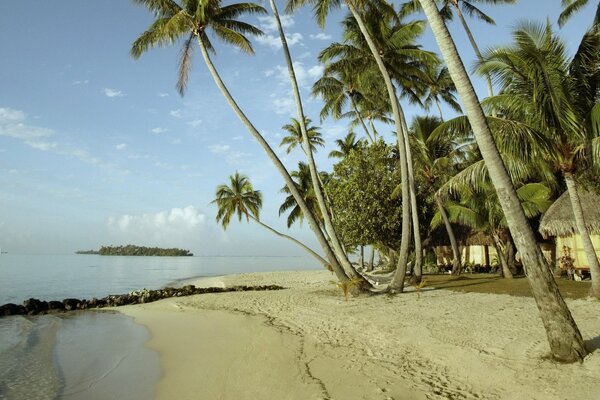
571 7
546 91
294 137
564 337
193 19
345 146
334 241
461 7
437 158
239 198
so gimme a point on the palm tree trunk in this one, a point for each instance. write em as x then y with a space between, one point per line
456 264
335 242
566 343
397 283
418 267
461 17
371 259
502 257
335 265
299 243
588 247
362 121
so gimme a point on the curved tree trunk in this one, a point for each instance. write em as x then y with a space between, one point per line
397 283
418 267
461 17
566 343
335 265
293 239
456 264
502 256
588 247
362 121
334 240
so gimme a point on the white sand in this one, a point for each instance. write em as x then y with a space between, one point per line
307 342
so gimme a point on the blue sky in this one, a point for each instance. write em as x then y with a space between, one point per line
97 148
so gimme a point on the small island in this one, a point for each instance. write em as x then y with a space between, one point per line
133 250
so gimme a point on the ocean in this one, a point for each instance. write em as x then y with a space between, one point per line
93 354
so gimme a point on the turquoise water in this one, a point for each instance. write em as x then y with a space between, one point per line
93 354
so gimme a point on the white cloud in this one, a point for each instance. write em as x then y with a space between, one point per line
175 113
232 157
13 123
320 36
269 72
112 92
219 148
158 130
195 123
81 82
174 227
269 25
271 36
121 146
161 94
305 76
283 105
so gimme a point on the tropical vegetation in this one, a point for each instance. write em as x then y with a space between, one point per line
491 169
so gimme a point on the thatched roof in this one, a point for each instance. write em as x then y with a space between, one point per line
559 219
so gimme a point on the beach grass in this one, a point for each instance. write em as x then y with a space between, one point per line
491 283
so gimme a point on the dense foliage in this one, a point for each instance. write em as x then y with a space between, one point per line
132 250
360 190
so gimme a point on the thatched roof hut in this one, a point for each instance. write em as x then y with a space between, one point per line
560 221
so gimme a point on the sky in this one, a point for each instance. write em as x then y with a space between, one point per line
97 148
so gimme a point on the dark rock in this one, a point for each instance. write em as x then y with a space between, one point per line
56 306
11 309
35 306
70 304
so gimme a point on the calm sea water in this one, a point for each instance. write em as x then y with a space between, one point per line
56 277
93 355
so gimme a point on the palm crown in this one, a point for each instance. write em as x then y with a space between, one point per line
295 135
191 19
239 197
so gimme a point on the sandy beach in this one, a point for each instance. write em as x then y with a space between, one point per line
308 342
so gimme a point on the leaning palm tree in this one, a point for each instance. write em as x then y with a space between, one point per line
294 137
564 337
192 20
239 198
336 245
558 97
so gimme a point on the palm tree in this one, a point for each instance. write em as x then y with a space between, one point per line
193 19
345 146
303 182
295 136
570 7
544 90
439 87
447 10
564 337
239 198
334 241
436 159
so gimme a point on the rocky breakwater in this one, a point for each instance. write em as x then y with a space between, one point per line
36 306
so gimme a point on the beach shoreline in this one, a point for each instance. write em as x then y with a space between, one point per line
435 345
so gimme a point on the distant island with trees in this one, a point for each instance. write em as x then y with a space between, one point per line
132 250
